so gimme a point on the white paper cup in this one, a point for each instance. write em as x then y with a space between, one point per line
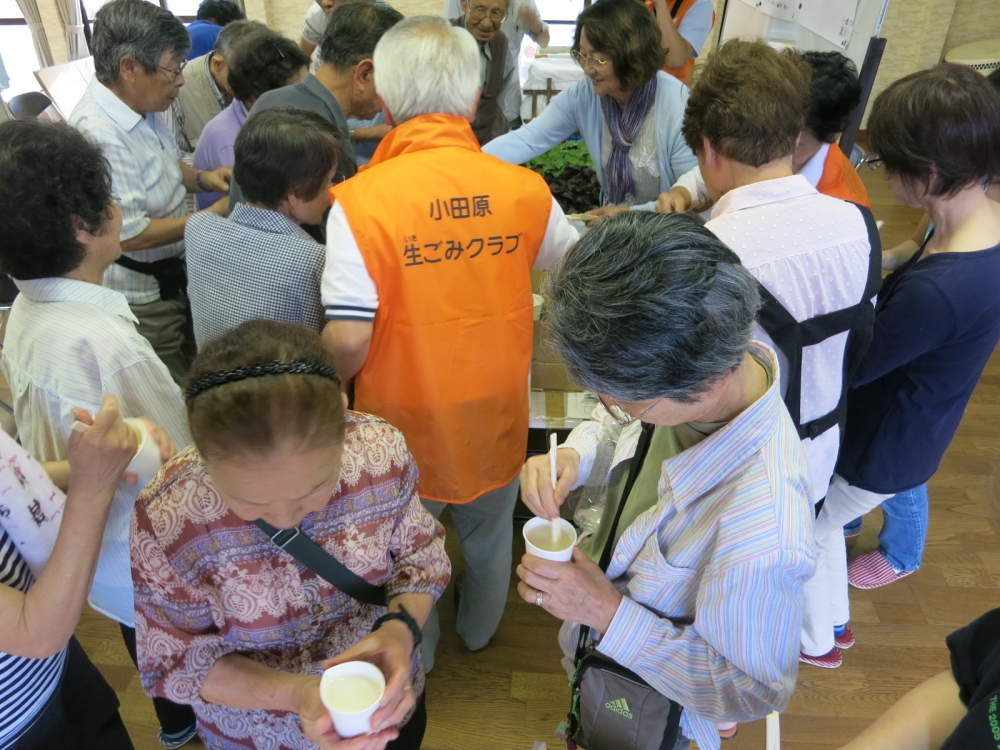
541 531
147 459
350 723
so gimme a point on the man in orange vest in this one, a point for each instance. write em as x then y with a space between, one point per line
684 26
428 299
835 92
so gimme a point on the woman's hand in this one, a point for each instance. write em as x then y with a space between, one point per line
577 591
536 482
317 724
163 441
603 211
98 455
678 200
390 648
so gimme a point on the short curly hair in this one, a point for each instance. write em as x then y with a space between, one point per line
53 181
836 92
749 101
938 128
266 61
627 33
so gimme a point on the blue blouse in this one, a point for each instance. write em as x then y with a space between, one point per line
578 108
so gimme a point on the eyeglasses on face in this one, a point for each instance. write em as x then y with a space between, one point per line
583 60
497 15
174 73
619 414
873 162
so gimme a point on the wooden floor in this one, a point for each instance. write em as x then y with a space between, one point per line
514 693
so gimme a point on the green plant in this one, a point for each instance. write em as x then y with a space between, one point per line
569 172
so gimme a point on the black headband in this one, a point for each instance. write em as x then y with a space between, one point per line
295 367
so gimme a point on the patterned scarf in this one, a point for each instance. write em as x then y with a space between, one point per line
624 123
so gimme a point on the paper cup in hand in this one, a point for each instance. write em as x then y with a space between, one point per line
538 539
147 459
351 692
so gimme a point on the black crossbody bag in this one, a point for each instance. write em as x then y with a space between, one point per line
614 708
322 563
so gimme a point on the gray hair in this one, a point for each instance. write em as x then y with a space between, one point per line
651 306
353 31
426 65
234 35
136 29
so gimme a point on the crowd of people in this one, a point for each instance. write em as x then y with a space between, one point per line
330 349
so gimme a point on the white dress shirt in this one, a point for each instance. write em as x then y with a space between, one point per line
69 343
811 252
145 178
348 291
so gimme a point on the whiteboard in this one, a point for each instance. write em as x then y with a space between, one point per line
740 20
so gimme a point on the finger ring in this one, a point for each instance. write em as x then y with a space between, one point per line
408 687
539 598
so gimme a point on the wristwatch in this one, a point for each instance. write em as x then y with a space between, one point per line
198 182
350 134
407 618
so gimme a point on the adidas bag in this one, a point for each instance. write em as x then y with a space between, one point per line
615 709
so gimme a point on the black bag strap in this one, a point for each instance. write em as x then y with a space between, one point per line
791 336
673 10
641 449
322 563
170 273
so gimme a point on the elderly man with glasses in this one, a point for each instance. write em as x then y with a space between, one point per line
500 98
139 52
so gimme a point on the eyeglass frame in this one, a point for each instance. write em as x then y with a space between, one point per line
174 72
581 59
607 408
872 162
484 13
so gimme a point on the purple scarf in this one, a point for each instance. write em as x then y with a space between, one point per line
624 124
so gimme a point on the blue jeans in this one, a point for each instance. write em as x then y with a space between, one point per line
904 529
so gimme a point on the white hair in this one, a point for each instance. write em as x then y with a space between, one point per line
424 65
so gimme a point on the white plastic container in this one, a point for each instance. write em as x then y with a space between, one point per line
351 692
147 459
540 530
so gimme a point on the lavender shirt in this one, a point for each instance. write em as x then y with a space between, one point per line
215 147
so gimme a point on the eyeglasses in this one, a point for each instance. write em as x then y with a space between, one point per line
480 12
581 59
175 73
619 414
873 162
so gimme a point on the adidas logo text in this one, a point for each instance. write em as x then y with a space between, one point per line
619 706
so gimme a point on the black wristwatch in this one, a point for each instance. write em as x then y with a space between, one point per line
406 617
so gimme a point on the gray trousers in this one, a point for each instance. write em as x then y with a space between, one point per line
486 532
166 325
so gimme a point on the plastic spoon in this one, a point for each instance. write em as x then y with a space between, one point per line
553 440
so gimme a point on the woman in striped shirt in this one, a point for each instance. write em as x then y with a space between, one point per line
51 696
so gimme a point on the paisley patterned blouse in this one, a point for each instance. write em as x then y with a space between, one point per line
209 584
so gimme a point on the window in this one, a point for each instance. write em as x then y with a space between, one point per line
183 9
560 15
18 51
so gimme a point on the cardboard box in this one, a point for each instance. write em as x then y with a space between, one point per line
547 376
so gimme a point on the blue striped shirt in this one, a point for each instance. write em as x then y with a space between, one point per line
728 545
25 684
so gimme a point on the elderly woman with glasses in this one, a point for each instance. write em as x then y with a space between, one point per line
627 110
702 485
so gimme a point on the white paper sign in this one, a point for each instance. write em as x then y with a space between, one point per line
831 19
786 10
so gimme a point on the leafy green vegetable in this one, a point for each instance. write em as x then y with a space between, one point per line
569 172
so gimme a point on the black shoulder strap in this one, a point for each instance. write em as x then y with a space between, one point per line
323 564
791 336
641 449
673 10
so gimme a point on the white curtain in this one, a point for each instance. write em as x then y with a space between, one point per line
76 41
34 21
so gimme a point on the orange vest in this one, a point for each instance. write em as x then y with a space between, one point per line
449 235
841 180
683 73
